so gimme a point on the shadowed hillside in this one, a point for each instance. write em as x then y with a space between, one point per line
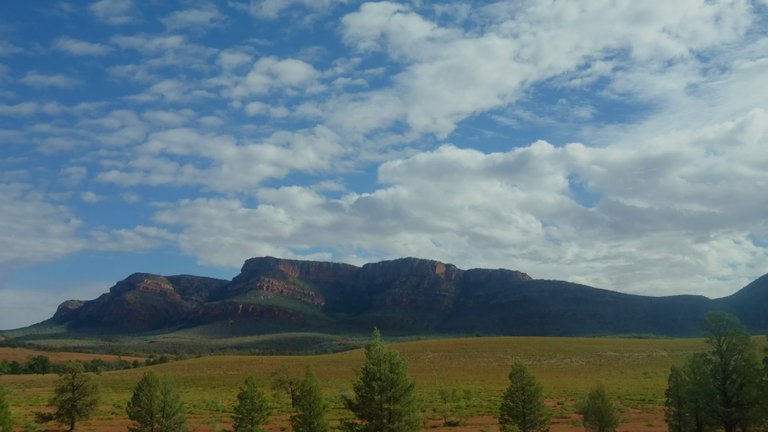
403 297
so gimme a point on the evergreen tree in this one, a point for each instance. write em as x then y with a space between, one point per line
522 405
252 408
699 392
155 406
676 412
384 399
283 381
39 364
74 397
172 417
734 370
598 412
6 421
310 407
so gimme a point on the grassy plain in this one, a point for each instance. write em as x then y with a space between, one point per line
633 370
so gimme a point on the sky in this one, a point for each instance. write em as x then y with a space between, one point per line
619 144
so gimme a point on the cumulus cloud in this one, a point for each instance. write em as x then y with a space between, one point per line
36 79
658 209
32 229
7 48
269 74
140 238
221 163
272 9
116 128
115 12
522 44
20 109
79 47
73 175
161 51
207 16
90 197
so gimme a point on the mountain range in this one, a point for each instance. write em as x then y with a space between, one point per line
405 296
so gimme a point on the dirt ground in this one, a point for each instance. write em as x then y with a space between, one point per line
632 421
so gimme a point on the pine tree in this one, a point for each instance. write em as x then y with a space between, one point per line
384 398
6 421
522 405
75 396
676 409
155 406
699 392
310 407
252 408
734 370
598 412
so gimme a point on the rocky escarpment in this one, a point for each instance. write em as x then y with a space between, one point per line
142 302
405 295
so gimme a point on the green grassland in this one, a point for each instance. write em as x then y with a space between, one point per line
633 370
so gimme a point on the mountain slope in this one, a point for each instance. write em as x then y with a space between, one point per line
403 296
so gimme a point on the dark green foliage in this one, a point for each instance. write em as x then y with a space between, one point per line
734 371
455 405
75 396
384 398
311 409
41 364
38 364
252 408
698 392
155 406
6 421
676 412
721 388
598 412
282 381
522 405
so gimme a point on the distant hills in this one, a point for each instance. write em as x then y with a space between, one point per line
406 296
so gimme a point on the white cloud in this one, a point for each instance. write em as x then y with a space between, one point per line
195 19
73 175
692 208
272 9
269 74
118 128
7 48
171 91
234 58
32 229
79 47
220 163
160 51
450 74
20 109
115 12
36 79
140 238
131 198
168 119
90 197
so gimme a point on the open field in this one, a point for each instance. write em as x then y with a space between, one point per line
633 370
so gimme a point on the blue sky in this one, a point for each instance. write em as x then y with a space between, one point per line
619 144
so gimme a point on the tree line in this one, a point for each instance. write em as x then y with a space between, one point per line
42 365
723 389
